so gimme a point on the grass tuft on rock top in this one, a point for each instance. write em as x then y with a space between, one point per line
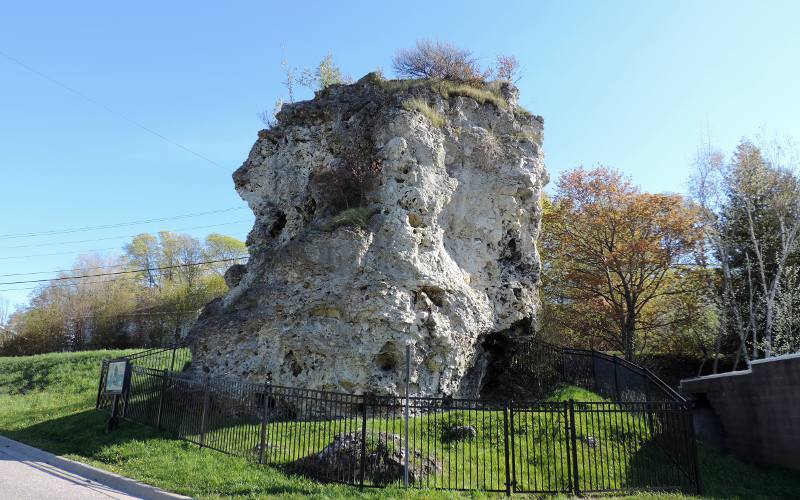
48 400
416 104
482 93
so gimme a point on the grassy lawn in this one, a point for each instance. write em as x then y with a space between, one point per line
47 401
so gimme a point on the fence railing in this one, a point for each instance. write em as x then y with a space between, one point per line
543 366
456 444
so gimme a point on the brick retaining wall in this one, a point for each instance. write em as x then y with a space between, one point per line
753 413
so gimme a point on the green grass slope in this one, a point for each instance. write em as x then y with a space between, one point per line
48 401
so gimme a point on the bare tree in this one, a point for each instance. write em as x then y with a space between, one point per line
4 311
705 187
435 59
767 175
753 206
507 68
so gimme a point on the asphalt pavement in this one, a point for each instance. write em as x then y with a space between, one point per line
30 473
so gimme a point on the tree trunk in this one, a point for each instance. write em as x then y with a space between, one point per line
628 333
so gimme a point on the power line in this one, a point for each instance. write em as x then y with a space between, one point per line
51 232
82 268
64 285
109 109
48 244
157 313
70 252
117 273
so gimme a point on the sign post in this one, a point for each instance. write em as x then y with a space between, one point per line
118 379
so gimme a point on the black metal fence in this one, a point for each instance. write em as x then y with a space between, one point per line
642 441
544 366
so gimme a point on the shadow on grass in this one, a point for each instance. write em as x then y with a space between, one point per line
723 476
162 460
80 433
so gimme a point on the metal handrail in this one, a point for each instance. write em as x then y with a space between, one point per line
646 372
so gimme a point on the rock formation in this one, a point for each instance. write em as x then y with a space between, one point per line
387 213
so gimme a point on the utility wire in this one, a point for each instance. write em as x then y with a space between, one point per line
157 313
55 243
70 252
51 232
82 283
82 268
117 273
110 110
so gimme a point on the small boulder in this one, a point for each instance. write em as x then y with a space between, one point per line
461 432
384 462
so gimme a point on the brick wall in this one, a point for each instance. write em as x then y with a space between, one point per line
753 413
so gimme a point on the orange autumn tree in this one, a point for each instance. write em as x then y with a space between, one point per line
618 260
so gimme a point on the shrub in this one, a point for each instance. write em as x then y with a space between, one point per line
346 182
507 68
326 73
415 104
439 60
358 216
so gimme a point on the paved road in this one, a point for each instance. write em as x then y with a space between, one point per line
23 478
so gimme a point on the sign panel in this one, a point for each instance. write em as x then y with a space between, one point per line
117 377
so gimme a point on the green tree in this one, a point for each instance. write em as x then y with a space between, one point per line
150 307
142 253
221 247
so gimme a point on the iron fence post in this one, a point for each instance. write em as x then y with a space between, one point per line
689 414
363 461
513 452
172 363
161 398
616 378
576 489
204 415
505 442
264 419
568 441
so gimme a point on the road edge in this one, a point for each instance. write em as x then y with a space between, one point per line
124 484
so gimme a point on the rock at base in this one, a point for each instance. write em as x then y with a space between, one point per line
341 460
460 433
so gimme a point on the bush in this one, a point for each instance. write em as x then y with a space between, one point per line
507 68
358 216
439 60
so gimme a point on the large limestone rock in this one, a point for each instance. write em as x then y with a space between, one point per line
375 228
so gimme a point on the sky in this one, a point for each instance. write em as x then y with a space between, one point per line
118 112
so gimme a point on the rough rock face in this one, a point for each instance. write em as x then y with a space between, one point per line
375 228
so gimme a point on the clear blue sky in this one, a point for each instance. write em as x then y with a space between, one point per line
634 85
